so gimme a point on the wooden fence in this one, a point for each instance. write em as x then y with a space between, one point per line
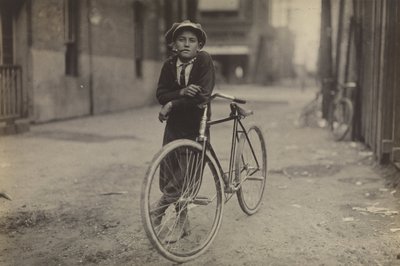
11 94
366 49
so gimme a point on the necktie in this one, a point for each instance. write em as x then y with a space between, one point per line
182 80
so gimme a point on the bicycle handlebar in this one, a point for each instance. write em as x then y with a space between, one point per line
228 97
349 84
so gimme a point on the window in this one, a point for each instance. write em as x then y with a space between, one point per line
220 5
7 37
220 8
71 26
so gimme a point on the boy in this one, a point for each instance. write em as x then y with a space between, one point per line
186 80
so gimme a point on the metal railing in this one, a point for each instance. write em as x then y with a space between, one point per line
11 93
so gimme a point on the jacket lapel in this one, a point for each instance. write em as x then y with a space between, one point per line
193 71
172 68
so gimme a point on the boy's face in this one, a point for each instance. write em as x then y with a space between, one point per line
187 45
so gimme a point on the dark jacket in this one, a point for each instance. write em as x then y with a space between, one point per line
184 119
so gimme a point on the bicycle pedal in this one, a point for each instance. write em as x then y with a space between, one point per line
202 200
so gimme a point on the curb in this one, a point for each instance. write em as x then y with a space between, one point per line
14 127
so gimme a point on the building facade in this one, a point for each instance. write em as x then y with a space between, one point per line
77 58
244 45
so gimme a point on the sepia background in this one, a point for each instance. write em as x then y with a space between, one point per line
79 127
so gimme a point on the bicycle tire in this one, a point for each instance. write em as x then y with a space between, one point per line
251 169
201 196
342 118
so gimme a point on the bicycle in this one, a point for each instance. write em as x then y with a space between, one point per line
341 111
203 185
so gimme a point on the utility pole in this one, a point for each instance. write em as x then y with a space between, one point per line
325 69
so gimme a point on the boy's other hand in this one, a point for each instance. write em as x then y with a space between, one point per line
191 90
163 115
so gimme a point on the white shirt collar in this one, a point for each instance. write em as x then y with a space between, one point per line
179 62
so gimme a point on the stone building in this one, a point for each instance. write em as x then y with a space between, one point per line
70 58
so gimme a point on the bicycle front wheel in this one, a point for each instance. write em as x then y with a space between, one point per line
182 201
342 117
251 170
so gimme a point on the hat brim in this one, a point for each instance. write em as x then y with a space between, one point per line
201 35
169 33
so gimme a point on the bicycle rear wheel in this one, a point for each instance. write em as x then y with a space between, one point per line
181 208
251 170
341 120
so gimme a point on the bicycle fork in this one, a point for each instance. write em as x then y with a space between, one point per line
202 138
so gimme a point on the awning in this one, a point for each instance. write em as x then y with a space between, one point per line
227 49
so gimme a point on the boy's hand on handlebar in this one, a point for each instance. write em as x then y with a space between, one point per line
163 114
191 90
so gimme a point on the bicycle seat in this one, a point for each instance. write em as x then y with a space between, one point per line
243 112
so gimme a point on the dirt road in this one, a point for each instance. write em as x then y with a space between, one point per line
75 188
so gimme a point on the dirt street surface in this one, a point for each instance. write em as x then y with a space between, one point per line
75 188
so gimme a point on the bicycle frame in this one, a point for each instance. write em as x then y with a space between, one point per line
237 128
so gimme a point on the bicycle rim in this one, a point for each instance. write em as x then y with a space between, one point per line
342 117
200 198
251 170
